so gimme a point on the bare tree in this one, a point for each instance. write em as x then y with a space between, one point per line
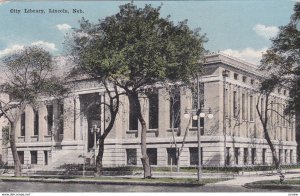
264 106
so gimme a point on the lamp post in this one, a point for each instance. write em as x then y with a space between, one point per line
95 130
197 114
225 74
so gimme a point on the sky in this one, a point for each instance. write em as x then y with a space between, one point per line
240 28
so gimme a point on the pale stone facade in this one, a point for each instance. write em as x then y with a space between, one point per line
59 131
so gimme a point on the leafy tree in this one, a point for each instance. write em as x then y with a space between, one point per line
282 59
136 48
28 76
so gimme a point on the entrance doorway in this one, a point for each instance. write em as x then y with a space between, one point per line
91 108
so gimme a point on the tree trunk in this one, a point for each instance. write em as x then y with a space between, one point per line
17 163
273 151
133 97
99 166
178 161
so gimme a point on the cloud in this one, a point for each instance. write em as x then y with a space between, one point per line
45 45
248 54
266 31
10 50
63 27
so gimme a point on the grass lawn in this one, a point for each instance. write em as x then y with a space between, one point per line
118 179
292 181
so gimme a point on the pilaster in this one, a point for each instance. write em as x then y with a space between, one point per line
69 105
43 126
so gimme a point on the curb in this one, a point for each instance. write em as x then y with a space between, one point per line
105 182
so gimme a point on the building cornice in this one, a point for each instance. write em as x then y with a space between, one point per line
233 62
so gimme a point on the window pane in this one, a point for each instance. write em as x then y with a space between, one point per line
131 156
36 123
153 111
50 118
133 120
33 155
175 109
23 124
171 156
152 154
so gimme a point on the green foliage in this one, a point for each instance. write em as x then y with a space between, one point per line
29 74
137 47
283 58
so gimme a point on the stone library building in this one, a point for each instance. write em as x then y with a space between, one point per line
62 131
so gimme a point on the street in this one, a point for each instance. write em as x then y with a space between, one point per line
73 187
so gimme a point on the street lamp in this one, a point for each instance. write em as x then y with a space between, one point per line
225 74
197 114
95 130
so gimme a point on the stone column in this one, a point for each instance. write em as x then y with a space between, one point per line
78 133
69 119
29 123
163 112
121 123
43 126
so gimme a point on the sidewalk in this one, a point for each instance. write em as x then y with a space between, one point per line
242 180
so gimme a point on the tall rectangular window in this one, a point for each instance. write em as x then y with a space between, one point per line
253 155
153 111
33 155
133 119
291 156
195 106
175 110
171 156
61 118
152 154
23 124
251 109
235 104
36 123
280 156
21 156
227 156
50 118
236 155
131 156
264 156
243 107
194 156
246 153
285 156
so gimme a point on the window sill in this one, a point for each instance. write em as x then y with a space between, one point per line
132 131
34 136
170 129
152 130
21 137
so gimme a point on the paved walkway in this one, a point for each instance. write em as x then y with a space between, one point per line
242 180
